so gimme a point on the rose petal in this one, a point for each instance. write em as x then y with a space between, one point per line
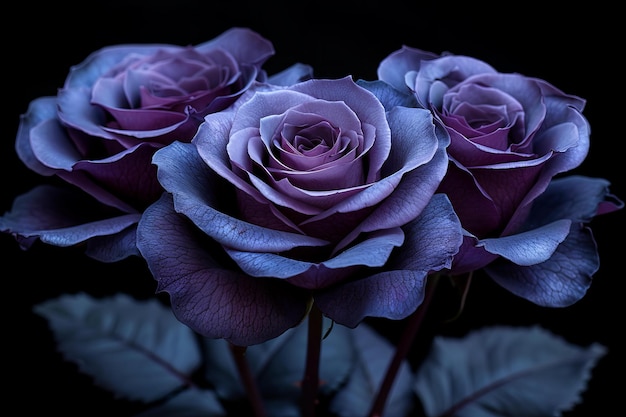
560 281
211 299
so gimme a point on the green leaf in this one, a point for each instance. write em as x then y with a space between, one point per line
136 349
504 371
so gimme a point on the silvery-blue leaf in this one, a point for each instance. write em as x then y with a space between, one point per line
504 371
278 366
373 355
136 349
189 403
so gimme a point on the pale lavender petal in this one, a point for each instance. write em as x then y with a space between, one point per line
393 68
419 160
195 190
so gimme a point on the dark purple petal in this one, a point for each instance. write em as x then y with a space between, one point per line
573 197
471 257
114 247
560 281
61 217
109 181
213 300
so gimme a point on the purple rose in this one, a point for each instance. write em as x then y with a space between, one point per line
99 133
295 194
510 136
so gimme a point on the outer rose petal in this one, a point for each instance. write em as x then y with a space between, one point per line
433 240
39 111
64 217
213 300
560 281
564 277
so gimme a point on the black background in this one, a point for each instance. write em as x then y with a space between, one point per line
573 49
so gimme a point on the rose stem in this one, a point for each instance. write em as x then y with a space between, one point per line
254 396
310 383
406 340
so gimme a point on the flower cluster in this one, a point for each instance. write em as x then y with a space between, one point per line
261 202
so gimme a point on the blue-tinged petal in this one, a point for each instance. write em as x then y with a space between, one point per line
61 217
372 252
560 281
242 43
296 73
393 68
39 110
432 240
571 112
194 188
389 96
213 300
390 294
574 197
76 110
263 264
531 247
52 147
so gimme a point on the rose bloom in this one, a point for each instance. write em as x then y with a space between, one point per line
99 133
510 136
296 194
